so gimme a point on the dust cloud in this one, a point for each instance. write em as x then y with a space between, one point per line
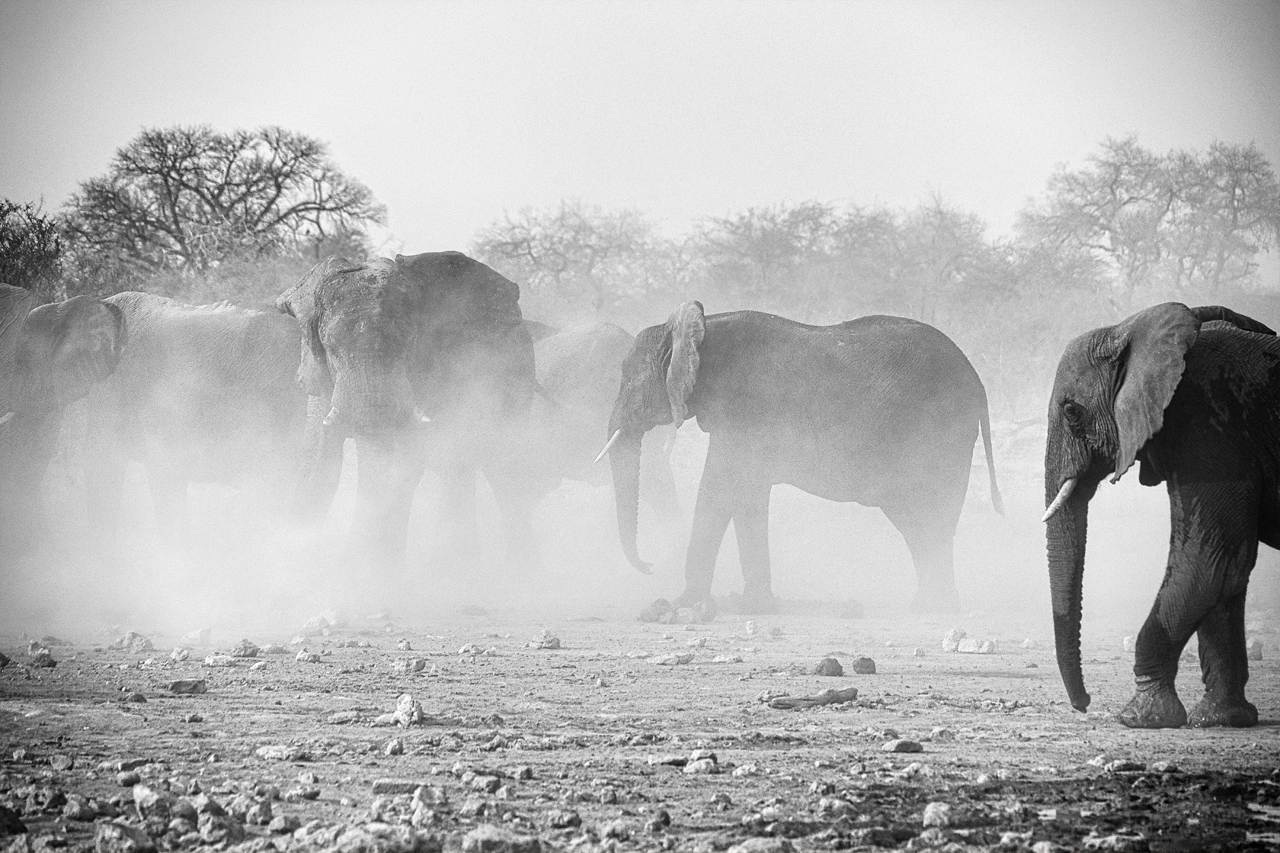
241 572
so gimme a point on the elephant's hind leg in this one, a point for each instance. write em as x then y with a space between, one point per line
929 536
751 526
1224 667
717 500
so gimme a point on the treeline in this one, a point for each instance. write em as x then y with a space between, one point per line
202 215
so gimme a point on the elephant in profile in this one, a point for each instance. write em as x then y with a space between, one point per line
1193 396
202 394
51 354
882 411
425 361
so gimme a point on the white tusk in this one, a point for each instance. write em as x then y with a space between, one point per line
8 416
607 446
1065 492
331 418
421 415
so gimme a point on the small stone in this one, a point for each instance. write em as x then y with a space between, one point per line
937 814
193 718
403 645
134 696
245 649
488 838
917 652
117 837
61 762
408 666
1164 767
672 659
901 745
976 647
43 659
408 711
282 824
188 686
78 809
128 778
702 767
941 735
395 746
546 640
864 666
304 656
951 641
563 819
1129 644
219 661
745 770
828 666
274 649
1255 649
258 667
619 829
133 642
179 654
660 822
395 786
282 752
1121 765
1029 643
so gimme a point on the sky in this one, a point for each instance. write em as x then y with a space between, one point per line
455 113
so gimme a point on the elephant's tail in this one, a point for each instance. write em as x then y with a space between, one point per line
984 424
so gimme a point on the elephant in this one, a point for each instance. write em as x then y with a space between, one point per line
579 371
51 354
425 361
882 411
202 393
1192 395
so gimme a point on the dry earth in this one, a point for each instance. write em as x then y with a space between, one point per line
594 745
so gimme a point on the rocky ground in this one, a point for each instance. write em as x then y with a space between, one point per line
501 732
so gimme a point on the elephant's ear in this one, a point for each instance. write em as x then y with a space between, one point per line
84 337
688 327
302 302
1150 351
1211 313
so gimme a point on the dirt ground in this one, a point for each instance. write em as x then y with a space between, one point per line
596 744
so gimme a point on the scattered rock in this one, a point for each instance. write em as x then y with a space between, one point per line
304 656
342 718
78 809
1163 767
546 640
245 649
937 814
282 824
951 641
128 778
132 642
179 654
395 786
395 746
117 837
42 658
745 770
672 659
976 647
901 745
917 652
408 666
864 666
763 845
1117 842
258 667
829 666
189 686
274 649
403 644
563 819
133 696
218 660
941 734
488 838
62 761
826 697
1121 765
1255 649
408 711
282 752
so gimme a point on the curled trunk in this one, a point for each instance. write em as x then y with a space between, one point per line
624 459
1066 532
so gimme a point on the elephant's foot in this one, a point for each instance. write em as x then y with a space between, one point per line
1234 712
1155 705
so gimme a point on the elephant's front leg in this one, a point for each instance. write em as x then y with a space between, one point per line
1213 545
751 526
1224 666
717 499
387 475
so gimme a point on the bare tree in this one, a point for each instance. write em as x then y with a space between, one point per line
30 247
189 198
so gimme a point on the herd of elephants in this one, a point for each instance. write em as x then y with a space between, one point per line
427 363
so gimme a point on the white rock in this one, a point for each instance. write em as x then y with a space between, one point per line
937 814
951 641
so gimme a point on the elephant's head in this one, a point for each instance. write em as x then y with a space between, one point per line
1109 398
658 377
53 352
385 341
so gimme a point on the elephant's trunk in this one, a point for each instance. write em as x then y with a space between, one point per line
1066 532
624 458
367 401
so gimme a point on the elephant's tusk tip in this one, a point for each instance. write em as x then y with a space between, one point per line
6 417
1064 493
608 446
331 418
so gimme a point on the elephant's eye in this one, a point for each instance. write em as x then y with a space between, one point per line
1073 412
